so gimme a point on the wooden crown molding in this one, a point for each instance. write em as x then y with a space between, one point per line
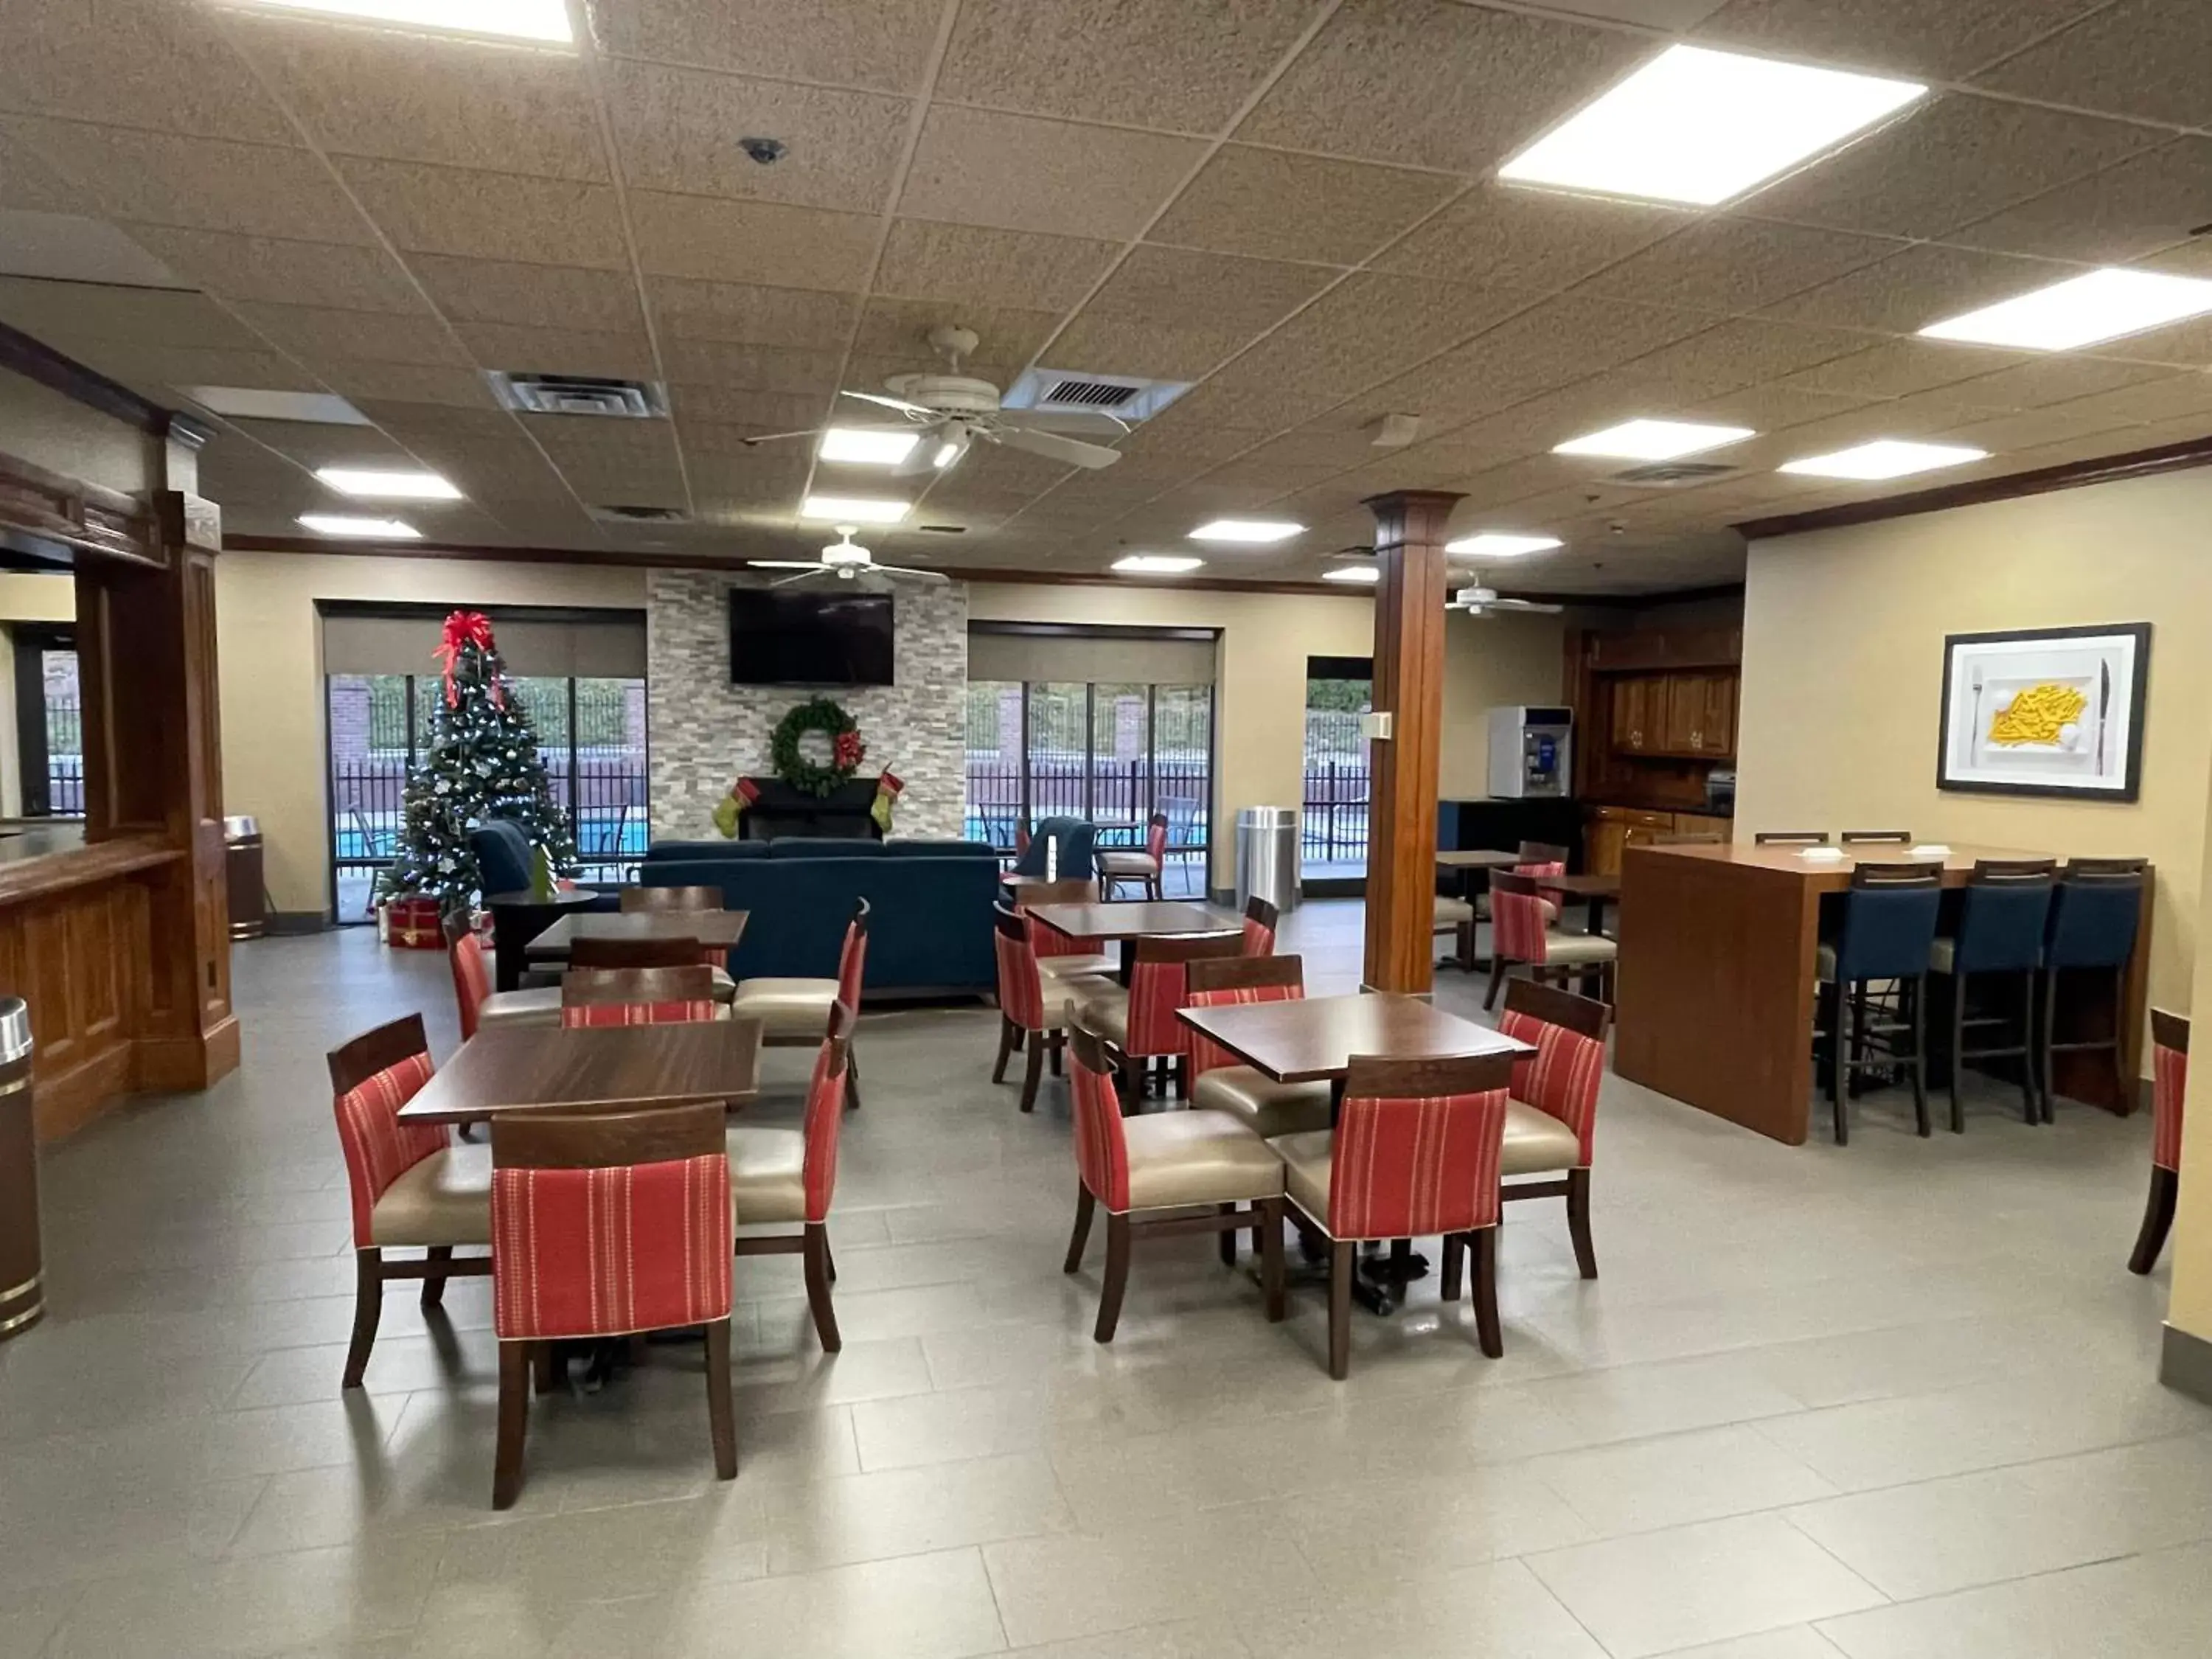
73 516
2040 481
34 359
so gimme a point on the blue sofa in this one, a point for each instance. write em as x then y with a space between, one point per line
929 929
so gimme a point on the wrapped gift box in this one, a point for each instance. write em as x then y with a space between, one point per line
412 924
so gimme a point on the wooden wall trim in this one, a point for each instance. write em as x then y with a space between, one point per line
34 359
2040 481
80 516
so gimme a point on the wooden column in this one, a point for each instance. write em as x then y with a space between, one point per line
1409 686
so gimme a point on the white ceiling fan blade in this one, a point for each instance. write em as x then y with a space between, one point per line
785 564
1075 422
899 403
1073 451
913 574
1537 605
922 459
778 437
802 575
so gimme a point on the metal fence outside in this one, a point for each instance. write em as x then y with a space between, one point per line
1333 828
65 758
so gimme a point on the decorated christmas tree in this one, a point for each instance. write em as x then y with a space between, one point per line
481 762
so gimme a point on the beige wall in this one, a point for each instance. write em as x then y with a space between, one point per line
1265 638
62 435
1843 670
2192 1240
269 652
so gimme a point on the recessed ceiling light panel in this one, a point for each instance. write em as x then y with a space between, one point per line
1700 126
1156 564
1884 458
510 20
867 445
1253 532
1353 573
373 485
1502 545
342 523
1654 440
2100 305
852 509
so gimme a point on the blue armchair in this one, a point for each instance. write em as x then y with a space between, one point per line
1074 862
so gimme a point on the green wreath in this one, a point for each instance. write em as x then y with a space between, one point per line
846 748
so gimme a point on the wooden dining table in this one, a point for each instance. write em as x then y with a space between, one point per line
715 929
506 1068
1128 920
1594 891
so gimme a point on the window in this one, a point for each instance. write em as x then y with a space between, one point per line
1333 838
49 722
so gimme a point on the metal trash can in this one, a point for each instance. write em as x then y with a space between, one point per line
22 1294
1267 856
242 873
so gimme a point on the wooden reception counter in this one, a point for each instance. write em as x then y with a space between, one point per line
1716 981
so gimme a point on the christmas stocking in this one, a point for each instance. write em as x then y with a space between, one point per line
887 789
743 794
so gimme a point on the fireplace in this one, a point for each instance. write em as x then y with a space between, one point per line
844 812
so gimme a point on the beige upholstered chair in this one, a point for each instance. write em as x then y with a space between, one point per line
481 1007
1203 1162
1058 957
1141 1021
784 1177
1223 1084
1551 1122
794 1012
588 952
1522 933
1116 866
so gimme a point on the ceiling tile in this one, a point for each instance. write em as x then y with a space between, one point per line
317 335
313 444
2131 208
71 247
2141 58
1734 265
751 242
751 367
530 296
884 44
678 130
2055 378
747 406
1436 85
28 184
744 313
1897 368
1174 313
624 356
199 183
1924 285
403 97
407 383
927 261
1946 163
1774 408
263 268
490 215
1007 339
1277 206
183 365
1018 172
154 62
1943 41
2184 345
1736 354
147 316
1498 236
1165 64
2005 434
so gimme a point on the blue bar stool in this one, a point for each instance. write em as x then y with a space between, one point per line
1886 934
2095 912
2001 916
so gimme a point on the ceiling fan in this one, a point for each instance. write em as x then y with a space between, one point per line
847 560
951 411
1481 601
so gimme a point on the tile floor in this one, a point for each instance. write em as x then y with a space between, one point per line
1891 1401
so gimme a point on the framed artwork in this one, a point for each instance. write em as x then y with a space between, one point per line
2044 711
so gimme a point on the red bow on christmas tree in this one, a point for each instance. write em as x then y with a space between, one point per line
466 627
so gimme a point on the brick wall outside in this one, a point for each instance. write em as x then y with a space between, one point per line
707 732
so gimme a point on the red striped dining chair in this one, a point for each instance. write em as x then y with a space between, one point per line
794 1012
2169 1039
1414 1152
1522 934
1059 956
1551 1125
608 1223
1028 1017
1143 868
786 1177
1222 1083
1141 1022
477 1004
1260 920
638 996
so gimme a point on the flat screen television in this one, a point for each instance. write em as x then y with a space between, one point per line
805 637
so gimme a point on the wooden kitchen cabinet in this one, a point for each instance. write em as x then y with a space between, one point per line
1690 714
1613 829
1639 714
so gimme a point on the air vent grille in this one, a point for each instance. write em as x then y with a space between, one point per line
579 394
1061 390
1673 475
1091 394
627 513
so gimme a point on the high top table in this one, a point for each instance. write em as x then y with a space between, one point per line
1715 982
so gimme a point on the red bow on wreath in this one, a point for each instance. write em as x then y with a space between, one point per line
465 628
847 750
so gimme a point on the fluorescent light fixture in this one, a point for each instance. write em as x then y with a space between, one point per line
947 452
1156 564
2101 305
1257 531
866 446
1700 126
1884 458
345 524
246 403
852 509
1502 545
1654 440
374 485
513 20
1353 573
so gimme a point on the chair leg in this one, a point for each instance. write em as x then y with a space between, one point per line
1228 1238
1055 1046
1915 990
513 1420
367 1308
1579 1225
2123 1085
720 1418
1959 982
2158 1217
1484 1242
1117 1278
1497 977
1085 1203
1270 1230
852 1079
2028 1108
1839 1056
433 1281
1341 1265
545 1372
2050 1031
815 1254
1447 1271
1034 1071
1010 1038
